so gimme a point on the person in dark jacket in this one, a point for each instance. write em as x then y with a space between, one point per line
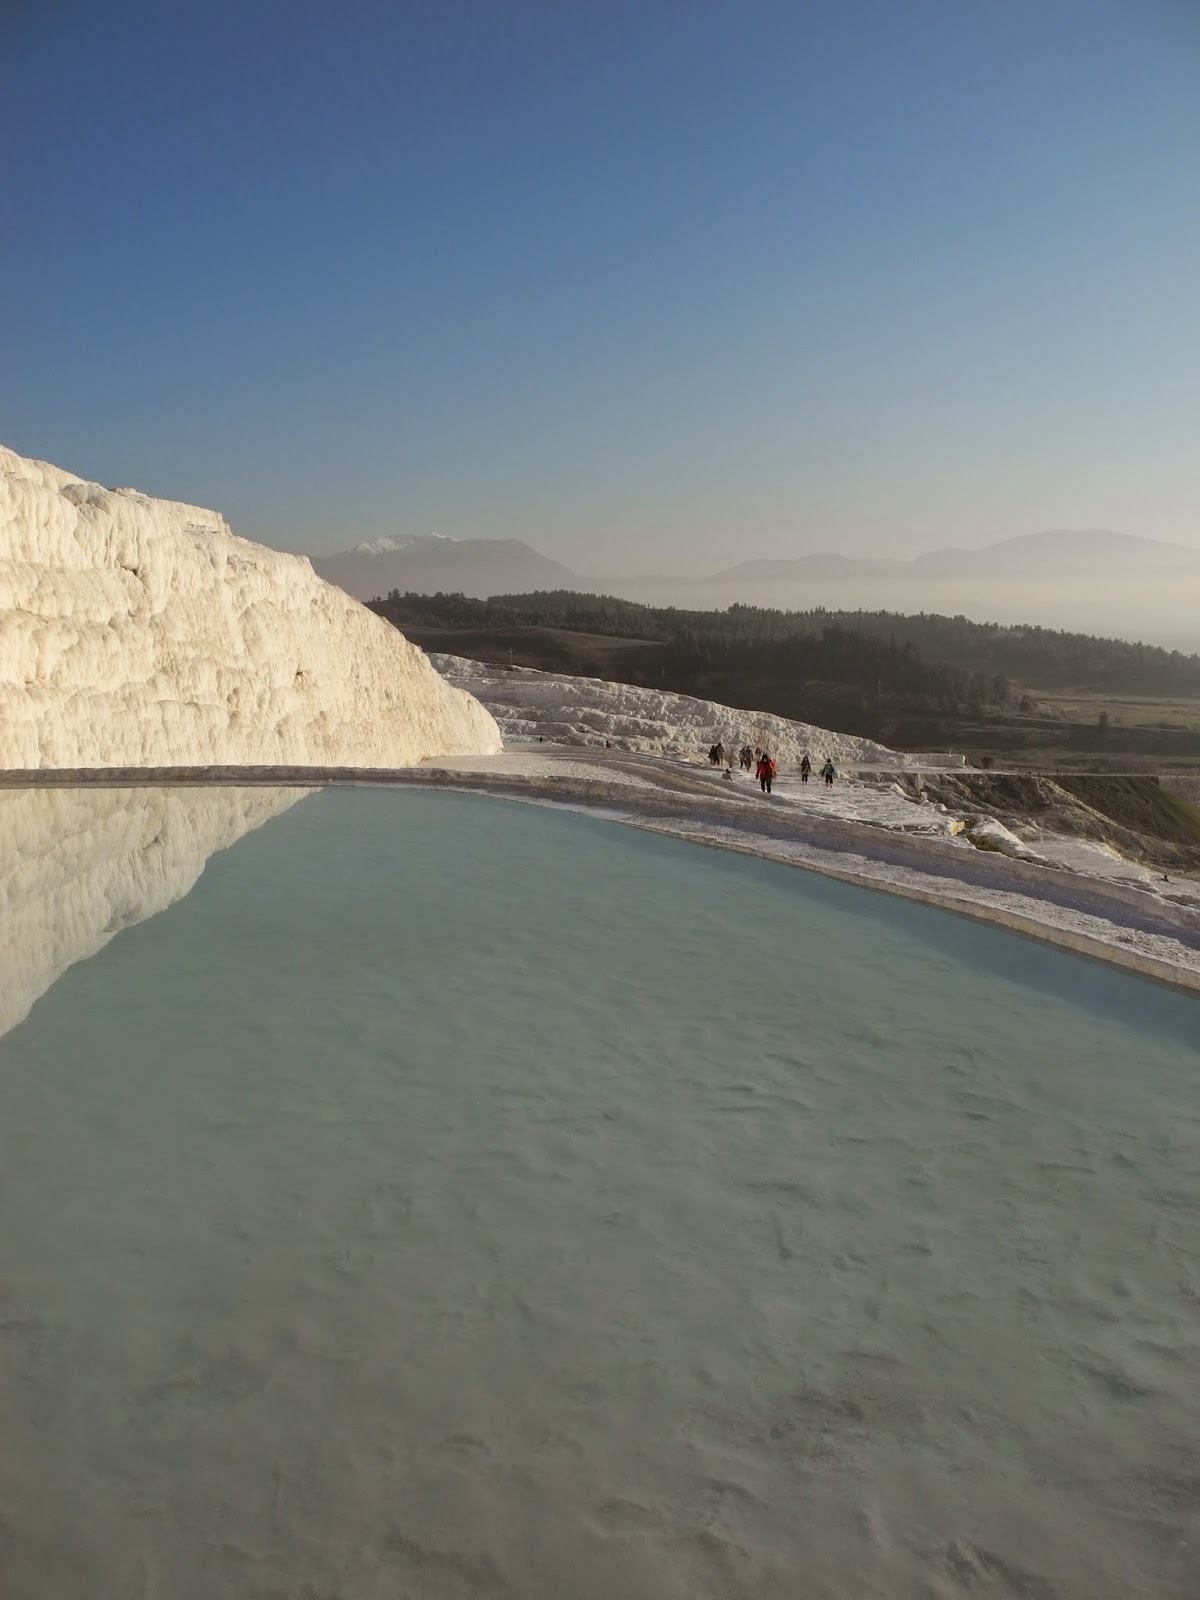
829 774
805 768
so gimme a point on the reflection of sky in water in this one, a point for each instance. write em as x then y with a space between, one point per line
458 1198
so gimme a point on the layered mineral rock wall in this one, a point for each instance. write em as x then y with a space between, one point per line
142 632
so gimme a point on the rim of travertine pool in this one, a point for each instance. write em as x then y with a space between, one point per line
634 809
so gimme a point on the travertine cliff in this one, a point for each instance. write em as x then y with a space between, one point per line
141 632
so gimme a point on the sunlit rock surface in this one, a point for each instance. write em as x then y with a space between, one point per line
590 711
142 632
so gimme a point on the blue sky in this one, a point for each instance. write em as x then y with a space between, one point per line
652 285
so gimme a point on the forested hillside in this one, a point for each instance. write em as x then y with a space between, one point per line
868 648
914 682
742 656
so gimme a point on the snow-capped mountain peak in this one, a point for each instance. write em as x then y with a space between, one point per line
428 562
381 547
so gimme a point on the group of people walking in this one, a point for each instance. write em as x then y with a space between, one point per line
828 771
761 763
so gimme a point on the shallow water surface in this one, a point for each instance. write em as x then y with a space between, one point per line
450 1198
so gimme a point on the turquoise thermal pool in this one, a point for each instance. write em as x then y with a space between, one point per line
449 1197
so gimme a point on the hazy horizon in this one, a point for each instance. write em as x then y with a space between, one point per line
740 553
651 288
1096 591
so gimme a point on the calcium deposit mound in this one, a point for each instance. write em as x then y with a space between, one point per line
141 632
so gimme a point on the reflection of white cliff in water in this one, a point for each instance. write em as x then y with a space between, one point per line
78 865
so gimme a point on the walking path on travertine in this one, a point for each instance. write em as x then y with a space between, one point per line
866 833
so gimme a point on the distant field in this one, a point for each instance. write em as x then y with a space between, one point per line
1125 711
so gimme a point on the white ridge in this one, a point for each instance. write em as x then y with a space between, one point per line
588 711
141 632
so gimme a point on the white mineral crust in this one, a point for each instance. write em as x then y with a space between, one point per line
142 632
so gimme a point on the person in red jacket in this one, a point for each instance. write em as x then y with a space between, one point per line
765 772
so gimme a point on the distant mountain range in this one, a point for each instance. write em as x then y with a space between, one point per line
1062 552
427 563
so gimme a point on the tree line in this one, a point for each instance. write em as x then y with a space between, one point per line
731 654
935 658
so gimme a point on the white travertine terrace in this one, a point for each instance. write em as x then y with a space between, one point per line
142 632
588 711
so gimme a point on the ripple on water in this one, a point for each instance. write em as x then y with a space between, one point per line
454 1199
